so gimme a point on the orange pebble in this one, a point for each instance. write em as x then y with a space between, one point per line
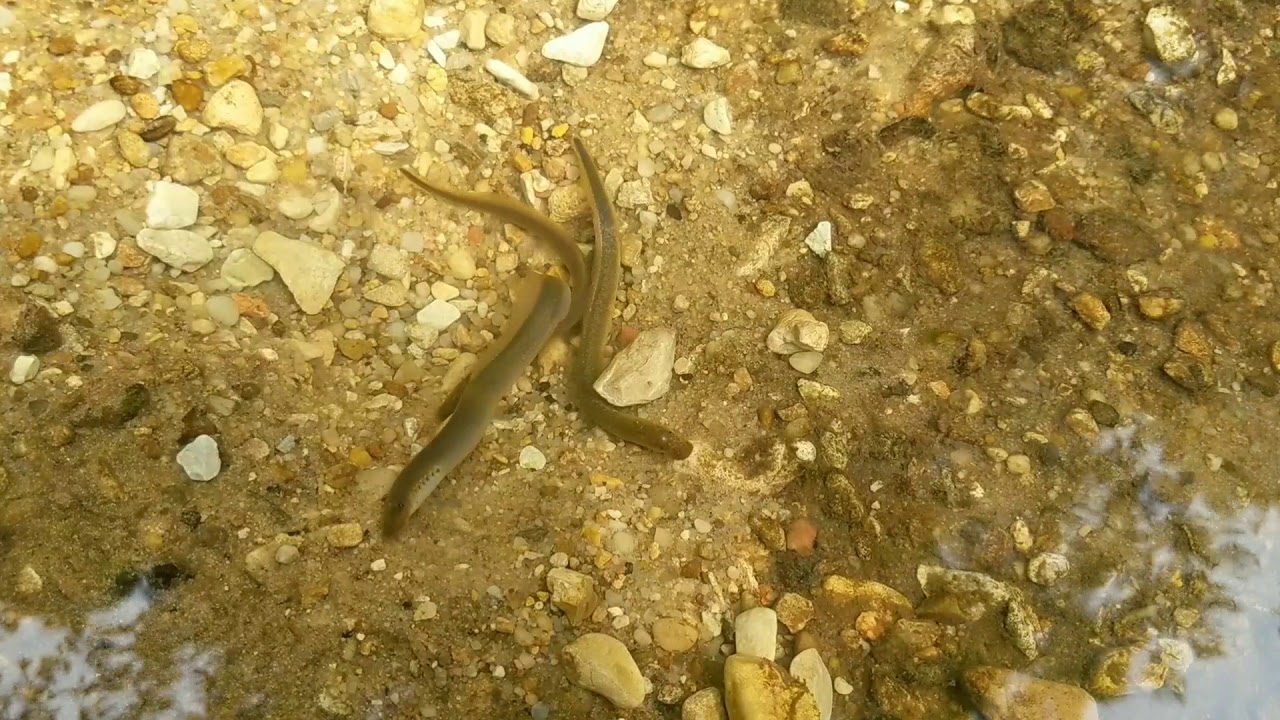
801 536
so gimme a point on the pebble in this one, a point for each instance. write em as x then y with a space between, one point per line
806 362
819 240
172 206
200 459
582 47
531 458
794 611
243 269
595 9
234 106
1091 310
573 593
1047 568
472 28
703 54
143 64
29 581
512 78
1226 119
842 686
99 116
755 633
438 315
1009 695
309 271
673 635
295 207
104 244
757 689
797 330
461 265
345 535
389 261
853 332
395 19
1033 196
642 371
25 367
286 554
223 310
706 704
602 664
1169 34
501 29
808 668
718 116
182 249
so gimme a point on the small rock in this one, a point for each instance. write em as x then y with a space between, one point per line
345 535
808 668
287 554
582 47
25 367
806 362
1047 568
172 206
391 294
1226 119
191 159
531 458
501 29
472 28
29 581
295 207
243 269
308 270
642 371
853 332
104 244
438 315
395 19
234 106
595 9
794 611
755 633
866 595
673 635
819 240
1008 695
797 330
1033 197
703 54
602 664
573 593
706 704
1169 35
389 261
461 265
143 64
182 249
222 309
757 689
717 115
200 459
99 116
1091 310
512 78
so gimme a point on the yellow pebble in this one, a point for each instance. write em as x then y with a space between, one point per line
603 480
295 170
361 458
766 288
559 130
522 162
591 535
603 558
526 135
184 23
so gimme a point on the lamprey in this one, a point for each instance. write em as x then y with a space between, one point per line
589 362
547 300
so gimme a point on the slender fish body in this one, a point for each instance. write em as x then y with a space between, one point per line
548 300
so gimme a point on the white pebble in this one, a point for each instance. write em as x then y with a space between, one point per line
438 315
442 290
223 310
755 632
655 59
378 565
582 47
843 687
24 368
99 116
200 459
805 361
512 78
819 240
295 207
182 249
234 106
805 451
75 249
104 244
704 54
172 206
143 64
395 19
702 525
531 458
595 9
717 116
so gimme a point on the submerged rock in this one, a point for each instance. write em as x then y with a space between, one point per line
1008 695
757 689
602 664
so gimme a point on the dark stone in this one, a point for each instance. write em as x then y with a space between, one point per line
37 330
1114 237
